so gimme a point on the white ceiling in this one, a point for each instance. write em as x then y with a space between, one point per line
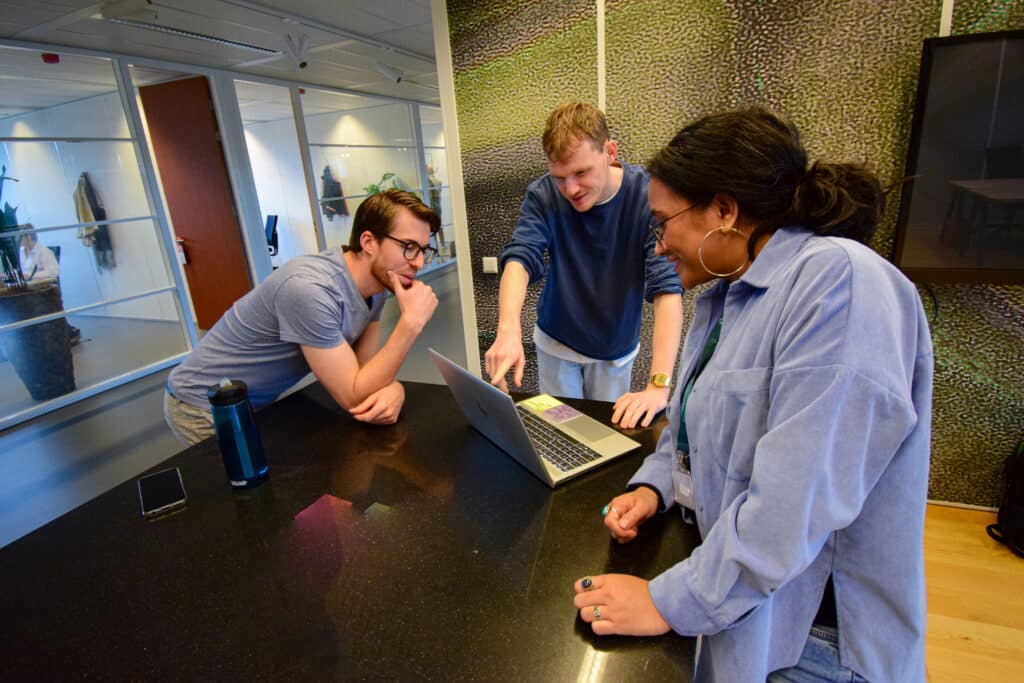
345 40
260 102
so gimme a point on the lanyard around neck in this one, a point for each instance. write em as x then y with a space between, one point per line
683 441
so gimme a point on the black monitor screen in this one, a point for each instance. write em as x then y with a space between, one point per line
962 214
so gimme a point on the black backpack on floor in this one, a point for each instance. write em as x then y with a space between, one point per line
1009 526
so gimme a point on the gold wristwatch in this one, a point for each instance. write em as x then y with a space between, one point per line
661 380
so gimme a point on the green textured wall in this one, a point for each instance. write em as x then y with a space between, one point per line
980 16
514 62
844 70
978 332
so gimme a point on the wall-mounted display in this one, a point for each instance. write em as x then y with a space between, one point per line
962 214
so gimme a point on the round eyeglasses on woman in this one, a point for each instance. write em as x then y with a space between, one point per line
410 250
658 229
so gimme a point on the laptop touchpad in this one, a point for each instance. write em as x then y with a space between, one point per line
588 429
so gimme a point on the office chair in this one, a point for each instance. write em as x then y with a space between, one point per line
271 232
1004 162
74 334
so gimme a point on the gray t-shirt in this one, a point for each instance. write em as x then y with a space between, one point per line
310 300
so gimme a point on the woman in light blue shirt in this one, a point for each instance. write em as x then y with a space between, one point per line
805 388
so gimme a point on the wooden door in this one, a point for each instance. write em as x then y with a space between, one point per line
183 130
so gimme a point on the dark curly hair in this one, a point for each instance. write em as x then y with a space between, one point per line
756 157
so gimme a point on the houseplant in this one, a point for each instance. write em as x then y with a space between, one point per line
8 223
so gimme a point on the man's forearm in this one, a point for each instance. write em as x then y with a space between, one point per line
381 369
511 297
668 330
368 343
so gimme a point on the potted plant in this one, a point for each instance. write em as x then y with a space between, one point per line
8 223
386 182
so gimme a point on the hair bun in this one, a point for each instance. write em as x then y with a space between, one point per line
844 200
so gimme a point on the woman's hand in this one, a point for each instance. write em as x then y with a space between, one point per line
618 604
625 513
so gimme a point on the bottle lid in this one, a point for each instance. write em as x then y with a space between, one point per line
227 392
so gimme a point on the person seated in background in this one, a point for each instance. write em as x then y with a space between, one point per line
37 260
799 434
320 313
583 228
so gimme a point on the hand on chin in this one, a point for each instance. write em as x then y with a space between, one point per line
404 278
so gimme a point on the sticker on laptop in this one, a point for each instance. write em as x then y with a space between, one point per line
561 413
551 408
542 402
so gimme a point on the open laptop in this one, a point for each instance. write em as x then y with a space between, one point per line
549 438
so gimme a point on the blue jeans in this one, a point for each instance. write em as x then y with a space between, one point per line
819 662
599 380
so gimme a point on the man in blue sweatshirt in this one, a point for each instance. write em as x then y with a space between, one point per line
590 215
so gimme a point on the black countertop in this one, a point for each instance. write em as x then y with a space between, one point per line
404 553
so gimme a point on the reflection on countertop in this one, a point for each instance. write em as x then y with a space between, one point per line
416 551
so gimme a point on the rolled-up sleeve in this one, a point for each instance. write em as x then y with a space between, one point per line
660 276
830 424
656 470
813 470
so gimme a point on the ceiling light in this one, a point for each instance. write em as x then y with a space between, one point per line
193 35
392 73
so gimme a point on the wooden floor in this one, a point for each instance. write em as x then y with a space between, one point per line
975 600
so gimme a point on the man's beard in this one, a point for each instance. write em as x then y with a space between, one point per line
380 274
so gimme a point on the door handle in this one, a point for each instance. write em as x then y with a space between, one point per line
179 251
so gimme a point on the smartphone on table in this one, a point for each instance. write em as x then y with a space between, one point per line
161 493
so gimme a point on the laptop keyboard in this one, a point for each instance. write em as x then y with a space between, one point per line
558 448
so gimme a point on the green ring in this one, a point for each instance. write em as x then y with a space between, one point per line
604 510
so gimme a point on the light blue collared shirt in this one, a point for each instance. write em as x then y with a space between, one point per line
810 436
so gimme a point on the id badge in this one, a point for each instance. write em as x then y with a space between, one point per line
682 483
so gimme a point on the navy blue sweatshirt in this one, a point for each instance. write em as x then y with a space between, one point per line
601 265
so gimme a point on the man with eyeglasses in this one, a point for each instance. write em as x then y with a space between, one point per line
321 313
589 215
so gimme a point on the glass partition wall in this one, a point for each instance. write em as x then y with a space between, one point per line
436 166
275 156
313 170
89 299
92 294
361 145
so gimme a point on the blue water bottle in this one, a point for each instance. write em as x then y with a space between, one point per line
239 439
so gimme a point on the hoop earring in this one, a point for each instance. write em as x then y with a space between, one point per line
700 252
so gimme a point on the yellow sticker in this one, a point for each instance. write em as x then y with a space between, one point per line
541 402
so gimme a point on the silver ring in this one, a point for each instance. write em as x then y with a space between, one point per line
614 509
597 612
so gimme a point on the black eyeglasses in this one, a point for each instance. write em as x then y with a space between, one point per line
658 229
410 250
